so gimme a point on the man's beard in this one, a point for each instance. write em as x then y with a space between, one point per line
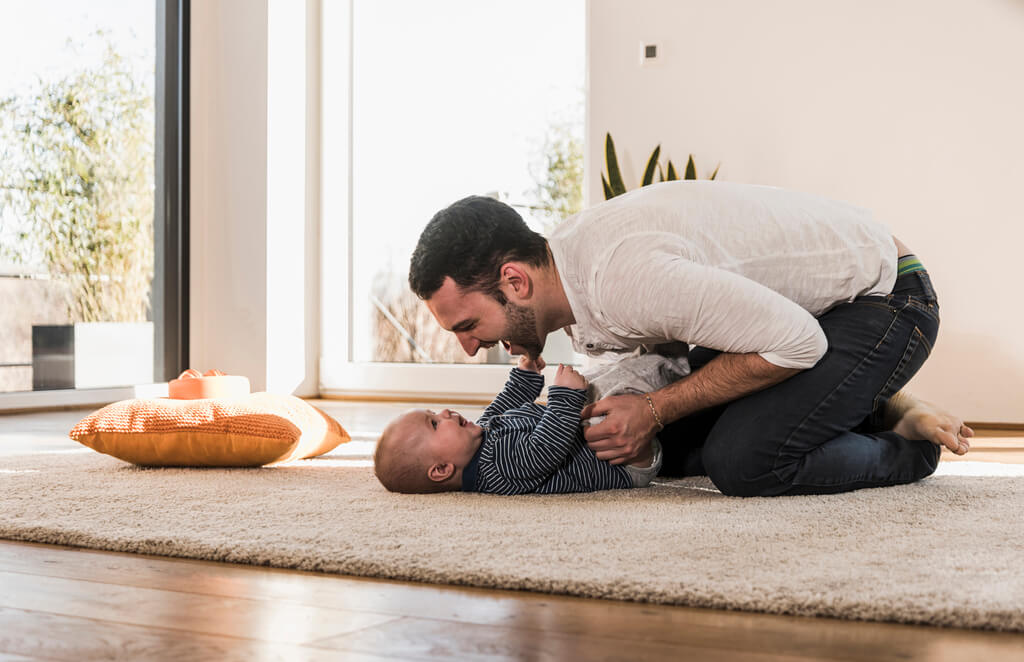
522 329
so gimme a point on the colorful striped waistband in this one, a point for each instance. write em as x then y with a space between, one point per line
908 264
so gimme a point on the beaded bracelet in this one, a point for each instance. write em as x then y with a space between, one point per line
654 412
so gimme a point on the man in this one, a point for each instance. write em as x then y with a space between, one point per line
807 316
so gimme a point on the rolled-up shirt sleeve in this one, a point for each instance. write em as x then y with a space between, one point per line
668 295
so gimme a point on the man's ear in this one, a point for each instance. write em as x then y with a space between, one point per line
516 281
441 472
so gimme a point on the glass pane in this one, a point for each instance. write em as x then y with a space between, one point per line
76 193
455 98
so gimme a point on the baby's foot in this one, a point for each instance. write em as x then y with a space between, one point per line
924 420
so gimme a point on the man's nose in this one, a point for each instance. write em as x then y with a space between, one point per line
469 344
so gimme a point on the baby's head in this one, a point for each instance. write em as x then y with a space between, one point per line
422 451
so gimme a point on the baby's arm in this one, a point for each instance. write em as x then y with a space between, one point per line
540 452
523 386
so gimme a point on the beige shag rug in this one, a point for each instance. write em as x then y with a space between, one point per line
946 551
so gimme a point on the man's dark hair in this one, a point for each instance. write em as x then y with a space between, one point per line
469 241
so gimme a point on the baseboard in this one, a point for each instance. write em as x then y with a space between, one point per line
996 427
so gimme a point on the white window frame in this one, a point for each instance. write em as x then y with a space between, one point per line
23 401
339 375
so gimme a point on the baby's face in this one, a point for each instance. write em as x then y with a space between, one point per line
447 436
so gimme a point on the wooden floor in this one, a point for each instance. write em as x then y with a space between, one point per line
60 603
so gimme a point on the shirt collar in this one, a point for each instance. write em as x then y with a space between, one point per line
469 474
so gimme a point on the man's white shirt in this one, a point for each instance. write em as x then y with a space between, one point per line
732 267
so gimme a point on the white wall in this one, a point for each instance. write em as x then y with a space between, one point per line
912 109
254 176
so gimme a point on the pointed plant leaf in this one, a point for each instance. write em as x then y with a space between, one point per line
661 174
715 173
672 175
608 195
614 175
652 163
691 170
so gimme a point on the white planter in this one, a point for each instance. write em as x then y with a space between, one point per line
92 355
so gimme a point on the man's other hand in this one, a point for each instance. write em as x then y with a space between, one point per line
625 432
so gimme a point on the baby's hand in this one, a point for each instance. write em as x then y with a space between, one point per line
526 363
566 376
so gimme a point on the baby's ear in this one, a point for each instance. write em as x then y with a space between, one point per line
441 472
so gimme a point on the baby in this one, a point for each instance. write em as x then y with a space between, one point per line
516 447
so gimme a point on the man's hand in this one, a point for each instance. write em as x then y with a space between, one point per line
625 433
531 365
566 376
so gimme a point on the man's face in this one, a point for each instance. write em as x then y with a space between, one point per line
478 320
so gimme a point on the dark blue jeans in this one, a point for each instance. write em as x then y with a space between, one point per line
817 432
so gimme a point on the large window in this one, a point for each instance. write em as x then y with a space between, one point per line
454 98
85 206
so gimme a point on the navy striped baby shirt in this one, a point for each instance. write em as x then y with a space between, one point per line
528 447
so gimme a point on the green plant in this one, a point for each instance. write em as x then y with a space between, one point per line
76 186
613 184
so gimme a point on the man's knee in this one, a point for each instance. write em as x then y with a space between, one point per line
736 471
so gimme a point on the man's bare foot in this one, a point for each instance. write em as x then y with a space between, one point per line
918 419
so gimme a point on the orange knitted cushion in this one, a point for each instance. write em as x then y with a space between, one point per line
258 429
